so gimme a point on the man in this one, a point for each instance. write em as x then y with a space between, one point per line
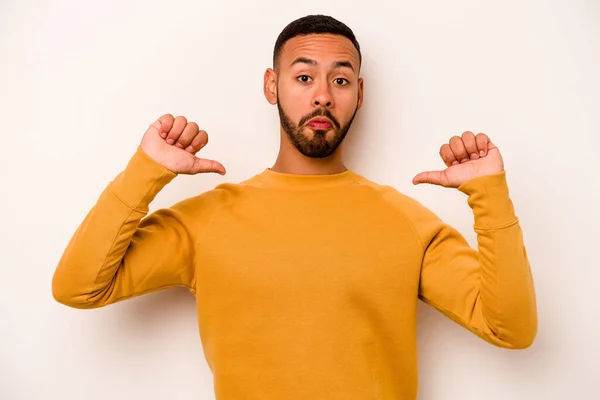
307 275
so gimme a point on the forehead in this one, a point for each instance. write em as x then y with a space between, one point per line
319 47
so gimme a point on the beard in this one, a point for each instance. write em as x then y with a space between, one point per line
319 146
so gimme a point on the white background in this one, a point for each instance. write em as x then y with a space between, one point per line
81 81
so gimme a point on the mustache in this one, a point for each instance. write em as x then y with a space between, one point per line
320 112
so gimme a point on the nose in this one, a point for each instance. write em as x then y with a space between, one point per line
322 96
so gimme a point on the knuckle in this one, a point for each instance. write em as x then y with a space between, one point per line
167 116
455 139
203 137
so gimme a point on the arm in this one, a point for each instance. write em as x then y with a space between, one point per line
489 291
116 253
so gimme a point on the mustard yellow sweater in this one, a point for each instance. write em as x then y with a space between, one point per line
306 286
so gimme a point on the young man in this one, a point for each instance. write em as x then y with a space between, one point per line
307 275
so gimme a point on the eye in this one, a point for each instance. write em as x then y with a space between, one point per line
303 78
342 81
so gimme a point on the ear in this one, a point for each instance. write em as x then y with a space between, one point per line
270 86
360 91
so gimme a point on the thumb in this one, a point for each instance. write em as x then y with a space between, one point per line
432 177
202 165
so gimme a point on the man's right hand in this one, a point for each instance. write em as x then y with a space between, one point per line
174 142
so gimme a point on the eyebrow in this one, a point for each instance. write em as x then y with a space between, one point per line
335 64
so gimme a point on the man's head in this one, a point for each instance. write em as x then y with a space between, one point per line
315 76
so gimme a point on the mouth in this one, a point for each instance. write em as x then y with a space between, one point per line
319 123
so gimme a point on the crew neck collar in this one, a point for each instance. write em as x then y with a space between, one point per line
271 178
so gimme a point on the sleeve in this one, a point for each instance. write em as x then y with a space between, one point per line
490 290
116 253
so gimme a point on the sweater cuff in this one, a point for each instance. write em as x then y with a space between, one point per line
489 199
141 180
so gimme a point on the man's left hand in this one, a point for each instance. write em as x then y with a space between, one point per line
467 157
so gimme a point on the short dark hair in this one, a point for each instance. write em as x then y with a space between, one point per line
314 24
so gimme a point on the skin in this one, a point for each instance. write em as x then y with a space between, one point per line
325 82
316 75
467 157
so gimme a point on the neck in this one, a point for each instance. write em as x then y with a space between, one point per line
291 161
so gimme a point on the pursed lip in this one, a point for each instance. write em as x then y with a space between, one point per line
320 120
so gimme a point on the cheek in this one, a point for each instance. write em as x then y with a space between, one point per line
298 98
346 104
290 106
296 104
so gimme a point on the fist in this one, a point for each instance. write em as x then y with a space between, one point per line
174 142
467 157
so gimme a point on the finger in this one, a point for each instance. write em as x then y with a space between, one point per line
482 143
166 122
458 148
176 130
202 165
189 132
470 143
198 142
162 125
447 155
431 177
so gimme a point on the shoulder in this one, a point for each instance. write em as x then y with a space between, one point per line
421 218
203 205
402 202
223 194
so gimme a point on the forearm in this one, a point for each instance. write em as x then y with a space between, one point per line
89 266
507 296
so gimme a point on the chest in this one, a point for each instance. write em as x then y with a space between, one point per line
302 254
